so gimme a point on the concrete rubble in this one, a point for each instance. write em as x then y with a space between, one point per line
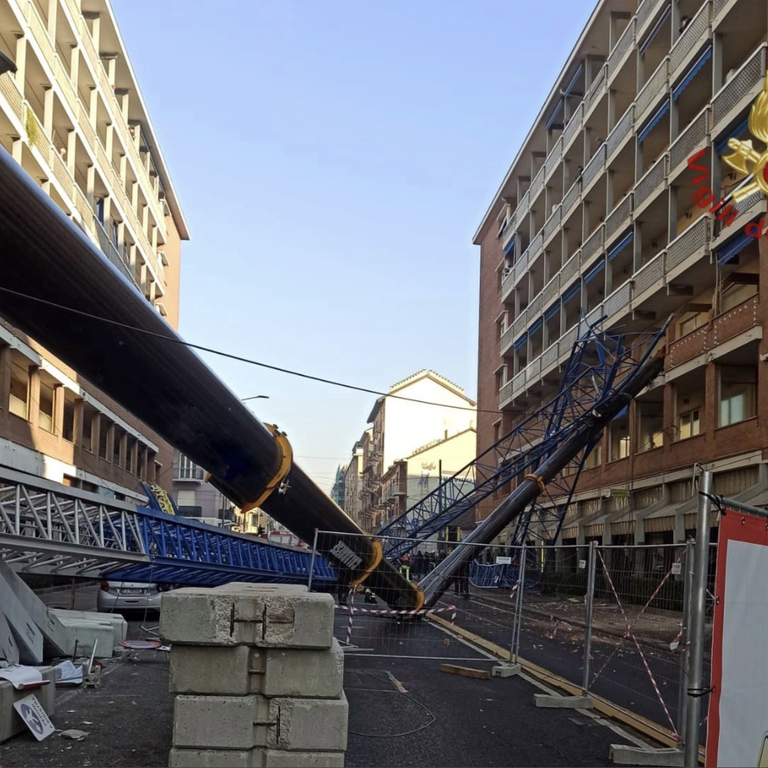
257 677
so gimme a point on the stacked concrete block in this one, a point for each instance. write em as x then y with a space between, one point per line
257 676
10 722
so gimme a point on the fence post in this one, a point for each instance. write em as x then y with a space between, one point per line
698 605
590 601
519 609
682 696
312 563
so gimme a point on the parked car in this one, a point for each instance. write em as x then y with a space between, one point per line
117 596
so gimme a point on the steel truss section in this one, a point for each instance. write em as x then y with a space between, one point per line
598 361
49 528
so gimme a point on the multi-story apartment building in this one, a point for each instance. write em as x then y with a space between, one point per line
602 213
338 490
195 497
419 409
73 117
353 503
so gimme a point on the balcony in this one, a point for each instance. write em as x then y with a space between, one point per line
651 184
189 472
593 168
690 42
574 126
687 247
619 218
645 14
618 55
596 90
694 137
621 132
740 91
653 92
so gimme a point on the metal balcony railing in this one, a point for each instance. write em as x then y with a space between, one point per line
648 275
690 39
573 127
571 198
621 130
653 91
690 140
537 184
596 90
619 217
749 76
652 183
618 301
623 46
552 224
687 243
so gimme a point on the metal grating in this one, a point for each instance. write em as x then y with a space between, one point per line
691 139
534 309
571 196
592 245
595 314
691 37
568 339
654 89
507 283
740 85
621 130
570 268
623 46
594 166
536 244
552 224
574 126
618 300
553 158
533 371
618 217
595 90
649 275
524 204
644 11
719 5
550 355
521 265
505 393
551 290
537 184
506 338
521 321
684 246
652 182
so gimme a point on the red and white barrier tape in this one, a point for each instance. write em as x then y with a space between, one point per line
385 612
637 644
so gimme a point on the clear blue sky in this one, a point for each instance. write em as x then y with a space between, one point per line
333 160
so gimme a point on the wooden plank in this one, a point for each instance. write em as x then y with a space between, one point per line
454 669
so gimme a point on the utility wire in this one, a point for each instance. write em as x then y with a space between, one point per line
238 358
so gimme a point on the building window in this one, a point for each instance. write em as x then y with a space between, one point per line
187 469
103 432
688 424
594 458
45 411
735 294
691 321
618 438
18 403
89 414
738 394
651 426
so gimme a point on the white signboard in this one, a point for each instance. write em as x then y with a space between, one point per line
503 560
582 564
676 569
32 713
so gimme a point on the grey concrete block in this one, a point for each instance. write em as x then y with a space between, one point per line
506 670
86 633
220 722
274 758
210 758
9 648
26 633
35 608
10 722
115 620
309 724
623 754
562 702
240 670
265 615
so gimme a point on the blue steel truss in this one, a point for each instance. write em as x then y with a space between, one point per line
597 362
49 528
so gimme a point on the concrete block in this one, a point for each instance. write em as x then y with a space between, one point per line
10 722
26 633
36 609
623 754
562 702
243 722
275 758
506 670
265 615
210 758
86 633
115 620
309 724
220 722
9 648
240 670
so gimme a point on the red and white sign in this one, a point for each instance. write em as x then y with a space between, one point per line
737 730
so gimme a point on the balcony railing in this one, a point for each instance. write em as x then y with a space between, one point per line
592 245
537 184
649 274
552 224
623 46
187 473
653 91
690 140
740 87
618 301
687 243
644 13
573 127
571 197
690 40
596 90
553 158
652 183
621 130
619 217
594 166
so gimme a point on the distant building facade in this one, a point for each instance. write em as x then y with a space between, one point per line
353 503
196 498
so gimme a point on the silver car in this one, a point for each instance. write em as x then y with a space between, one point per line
117 596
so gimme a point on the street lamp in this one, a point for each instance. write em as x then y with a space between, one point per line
254 397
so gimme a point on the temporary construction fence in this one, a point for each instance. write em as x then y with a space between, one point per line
609 619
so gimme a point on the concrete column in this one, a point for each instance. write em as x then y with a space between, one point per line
17 149
674 193
5 380
123 168
124 100
71 151
637 247
48 111
134 458
123 449
95 434
90 185
77 430
74 65
95 27
111 67
58 411
21 62
53 9
110 141
135 196
110 441
33 406
718 70
93 106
